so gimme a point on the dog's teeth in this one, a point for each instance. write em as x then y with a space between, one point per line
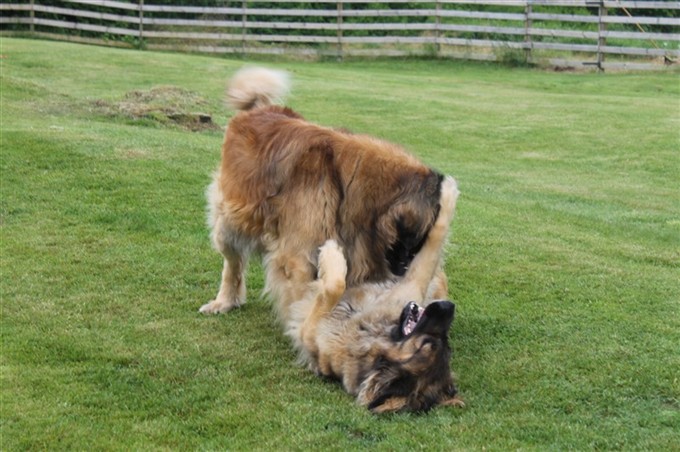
409 326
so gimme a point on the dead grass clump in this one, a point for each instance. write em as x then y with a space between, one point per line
163 105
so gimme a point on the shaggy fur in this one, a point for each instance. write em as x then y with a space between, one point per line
386 350
286 185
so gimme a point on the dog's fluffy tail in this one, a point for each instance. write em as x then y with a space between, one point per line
254 87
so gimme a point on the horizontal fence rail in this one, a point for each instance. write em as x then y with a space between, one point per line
628 34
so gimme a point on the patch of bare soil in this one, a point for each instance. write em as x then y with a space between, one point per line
164 105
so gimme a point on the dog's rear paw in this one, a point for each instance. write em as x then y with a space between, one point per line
218 307
454 401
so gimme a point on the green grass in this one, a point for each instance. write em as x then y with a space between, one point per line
563 261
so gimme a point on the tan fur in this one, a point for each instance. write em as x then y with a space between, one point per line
254 87
346 333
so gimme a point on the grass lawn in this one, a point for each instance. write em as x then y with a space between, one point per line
564 259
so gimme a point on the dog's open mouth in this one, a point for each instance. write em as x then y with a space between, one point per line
410 317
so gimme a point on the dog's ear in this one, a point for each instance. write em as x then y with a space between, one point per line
385 388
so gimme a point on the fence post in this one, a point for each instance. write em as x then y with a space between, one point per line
528 23
32 24
601 39
437 29
141 24
244 20
339 21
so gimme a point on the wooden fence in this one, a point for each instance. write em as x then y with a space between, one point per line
604 34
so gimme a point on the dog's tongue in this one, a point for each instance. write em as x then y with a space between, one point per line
415 313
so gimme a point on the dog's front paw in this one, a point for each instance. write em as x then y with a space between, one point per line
449 195
218 307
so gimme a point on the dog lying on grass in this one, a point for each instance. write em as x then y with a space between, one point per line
387 350
284 188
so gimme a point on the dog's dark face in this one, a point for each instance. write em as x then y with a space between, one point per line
413 373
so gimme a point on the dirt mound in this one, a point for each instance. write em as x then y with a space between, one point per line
164 105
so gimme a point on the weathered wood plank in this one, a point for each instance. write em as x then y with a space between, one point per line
15 7
106 3
642 20
84 13
15 20
84 27
642 4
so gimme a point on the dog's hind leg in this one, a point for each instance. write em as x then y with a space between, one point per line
419 276
232 293
330 286
235 250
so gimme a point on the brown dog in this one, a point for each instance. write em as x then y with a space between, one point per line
285 186
386 350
